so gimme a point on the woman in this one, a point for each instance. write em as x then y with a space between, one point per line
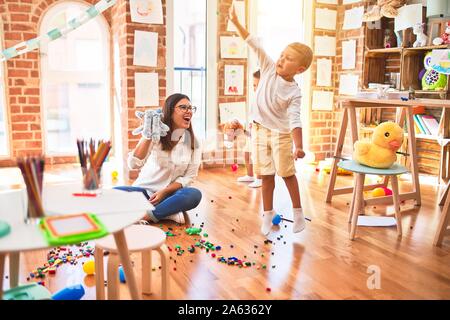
169 166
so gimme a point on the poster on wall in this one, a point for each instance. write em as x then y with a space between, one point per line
146 11
145 48
323 100
348 54
348 84
353 18
239 7
323 73
234 80
232 110
325 46
146 89
326 19
232 48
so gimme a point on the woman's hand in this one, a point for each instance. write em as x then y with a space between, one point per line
157 197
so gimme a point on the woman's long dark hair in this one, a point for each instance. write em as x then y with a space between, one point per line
169 106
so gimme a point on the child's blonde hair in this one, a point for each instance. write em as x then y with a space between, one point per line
304 53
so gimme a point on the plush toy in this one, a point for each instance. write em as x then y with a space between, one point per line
421 37
433 80
387 138
444 38
152 127
384 8
231 130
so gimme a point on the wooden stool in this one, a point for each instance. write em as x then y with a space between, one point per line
139 238
358 201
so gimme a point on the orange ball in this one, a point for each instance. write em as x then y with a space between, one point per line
378 192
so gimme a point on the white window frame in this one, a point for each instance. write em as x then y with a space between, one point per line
3 96
106 30
211 62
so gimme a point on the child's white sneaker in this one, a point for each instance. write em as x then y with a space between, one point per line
245 178
256 184
299 220
177 217
267 222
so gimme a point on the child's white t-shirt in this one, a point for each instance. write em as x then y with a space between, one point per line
277 105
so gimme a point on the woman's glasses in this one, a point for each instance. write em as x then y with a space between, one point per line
185 108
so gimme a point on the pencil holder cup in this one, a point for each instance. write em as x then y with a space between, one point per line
34 210
92 181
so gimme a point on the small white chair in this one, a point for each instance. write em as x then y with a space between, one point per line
140 238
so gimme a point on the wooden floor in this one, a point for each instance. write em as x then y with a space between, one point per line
318 263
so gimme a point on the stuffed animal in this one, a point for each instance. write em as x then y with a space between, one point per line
384 8
231 130
152 127
444 38
380 153
421 37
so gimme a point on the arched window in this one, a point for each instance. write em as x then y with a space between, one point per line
4 146
75 75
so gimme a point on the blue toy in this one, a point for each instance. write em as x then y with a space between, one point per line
276 220
75 292
121 275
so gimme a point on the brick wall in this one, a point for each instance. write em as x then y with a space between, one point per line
325 124
21 20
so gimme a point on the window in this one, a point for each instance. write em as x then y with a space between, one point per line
3 133
75 81
189 57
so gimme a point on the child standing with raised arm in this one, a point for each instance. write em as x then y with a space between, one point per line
276 122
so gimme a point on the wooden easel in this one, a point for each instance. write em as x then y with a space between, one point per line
404 117
443 227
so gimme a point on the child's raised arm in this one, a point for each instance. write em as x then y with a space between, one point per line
264 60
235 20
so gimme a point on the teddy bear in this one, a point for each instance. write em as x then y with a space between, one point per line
381 152
231 130
444 38
384 8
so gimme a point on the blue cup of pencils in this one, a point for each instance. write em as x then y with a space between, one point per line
92 155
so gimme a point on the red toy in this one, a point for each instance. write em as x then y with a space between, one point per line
444 38
234 167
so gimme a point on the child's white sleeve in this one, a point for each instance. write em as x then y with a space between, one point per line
264 60
294 113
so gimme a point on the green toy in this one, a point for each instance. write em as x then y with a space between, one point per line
193 231
433 80
427 60
72 229
32 291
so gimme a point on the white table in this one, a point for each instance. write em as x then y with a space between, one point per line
116 209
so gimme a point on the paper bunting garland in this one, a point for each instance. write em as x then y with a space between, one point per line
30 45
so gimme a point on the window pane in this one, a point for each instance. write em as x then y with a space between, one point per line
189 57
75 76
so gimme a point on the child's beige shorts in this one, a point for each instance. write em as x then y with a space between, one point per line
272 152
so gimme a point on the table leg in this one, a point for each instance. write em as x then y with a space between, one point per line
99 274
444 195
14 265
398 216
2 275
359 203
337 153
122 250
444 220
413 154
353 124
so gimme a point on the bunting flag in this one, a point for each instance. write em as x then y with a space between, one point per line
30 45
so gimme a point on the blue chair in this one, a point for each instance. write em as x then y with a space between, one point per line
357 205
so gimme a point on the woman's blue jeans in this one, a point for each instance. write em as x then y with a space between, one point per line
183 199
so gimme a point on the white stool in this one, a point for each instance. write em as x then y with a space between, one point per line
139 238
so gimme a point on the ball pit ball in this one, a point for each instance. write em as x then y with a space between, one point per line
378 192
387 191
234 167
115 174
276 219
89 267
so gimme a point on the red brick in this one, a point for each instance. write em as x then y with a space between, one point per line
22 135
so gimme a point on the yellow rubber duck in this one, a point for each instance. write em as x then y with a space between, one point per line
380 153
